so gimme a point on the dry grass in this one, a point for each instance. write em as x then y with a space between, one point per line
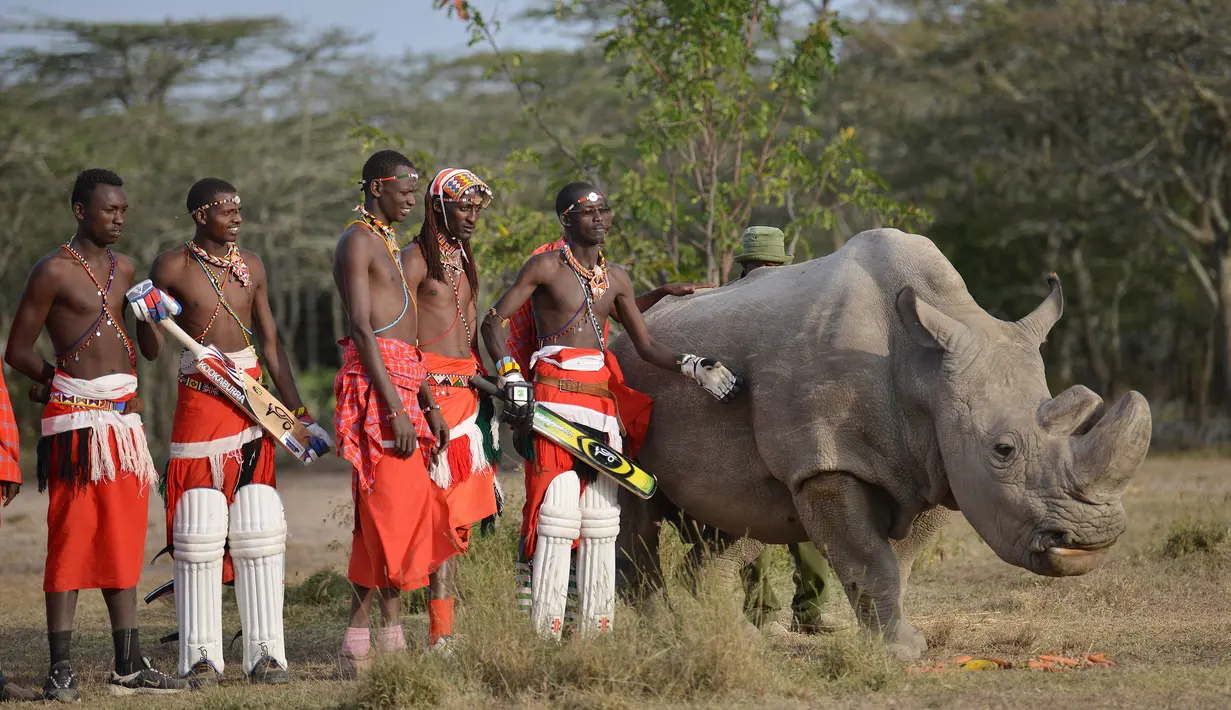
1159 608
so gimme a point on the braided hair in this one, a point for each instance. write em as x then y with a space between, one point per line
430 248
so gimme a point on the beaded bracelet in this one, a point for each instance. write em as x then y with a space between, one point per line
395 415
491 313
506 365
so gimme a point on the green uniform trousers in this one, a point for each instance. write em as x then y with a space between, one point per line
812 571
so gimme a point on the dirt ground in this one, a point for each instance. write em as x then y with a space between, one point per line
1164 616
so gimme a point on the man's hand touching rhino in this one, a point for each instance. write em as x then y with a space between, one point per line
710 374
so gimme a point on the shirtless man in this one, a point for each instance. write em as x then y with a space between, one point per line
441 271
221 469
573 291
402 531
92 458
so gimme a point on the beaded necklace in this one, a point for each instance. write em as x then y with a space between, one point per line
451 257
95 332
233 261
388 236
593 284
596 277
229 263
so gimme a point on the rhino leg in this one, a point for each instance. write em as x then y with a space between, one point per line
717 575
851 519
922 532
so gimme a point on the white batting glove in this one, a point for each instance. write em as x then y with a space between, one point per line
319 432
710 374
319 440
150 304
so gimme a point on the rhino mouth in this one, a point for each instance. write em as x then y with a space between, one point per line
1057 543
1079 551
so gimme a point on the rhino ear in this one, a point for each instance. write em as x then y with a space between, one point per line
929 327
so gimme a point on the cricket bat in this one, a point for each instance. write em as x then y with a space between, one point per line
585 447
241 388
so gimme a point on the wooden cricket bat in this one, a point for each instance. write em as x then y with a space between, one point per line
597 454
241 388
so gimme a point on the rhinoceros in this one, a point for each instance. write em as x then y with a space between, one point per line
879 396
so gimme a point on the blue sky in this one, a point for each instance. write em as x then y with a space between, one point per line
395 25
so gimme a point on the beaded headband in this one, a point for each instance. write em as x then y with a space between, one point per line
452 184
230 200
592 197
411 174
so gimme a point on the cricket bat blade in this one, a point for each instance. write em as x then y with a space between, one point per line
586 448
243 389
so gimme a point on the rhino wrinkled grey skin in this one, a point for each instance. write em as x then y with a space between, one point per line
879 396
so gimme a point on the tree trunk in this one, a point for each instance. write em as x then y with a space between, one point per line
1223 261
1206 375
1100 368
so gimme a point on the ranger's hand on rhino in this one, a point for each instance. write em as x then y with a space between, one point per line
710 374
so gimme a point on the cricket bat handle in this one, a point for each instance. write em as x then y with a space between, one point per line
178 333
486 386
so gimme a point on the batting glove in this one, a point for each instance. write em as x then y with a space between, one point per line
150 304
710 374
319 441
518 411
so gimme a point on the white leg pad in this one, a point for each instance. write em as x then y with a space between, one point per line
258 552
198 537
596 555
558 526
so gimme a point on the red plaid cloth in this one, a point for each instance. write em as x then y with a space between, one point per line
523 335
9 442
361 417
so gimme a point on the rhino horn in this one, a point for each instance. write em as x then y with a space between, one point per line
929 327
1040 321
1069 411
1109 454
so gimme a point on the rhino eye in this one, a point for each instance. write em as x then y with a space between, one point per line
1003 451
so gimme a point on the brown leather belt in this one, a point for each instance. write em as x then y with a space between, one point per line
597 389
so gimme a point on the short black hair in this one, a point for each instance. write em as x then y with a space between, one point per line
572 192
89 179
383 164
206 190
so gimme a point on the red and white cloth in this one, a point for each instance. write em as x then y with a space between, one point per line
629 407
132 451
208 425
97 470
361 417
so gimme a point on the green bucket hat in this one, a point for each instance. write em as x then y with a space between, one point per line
764 244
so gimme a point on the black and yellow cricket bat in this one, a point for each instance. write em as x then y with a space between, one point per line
241 388
585 447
